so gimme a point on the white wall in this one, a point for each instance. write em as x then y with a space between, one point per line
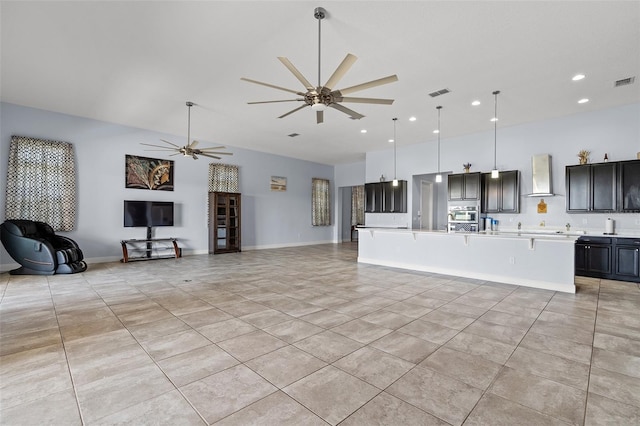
615 131
269 219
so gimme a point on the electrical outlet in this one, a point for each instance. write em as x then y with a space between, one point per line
512 260
510 219
584 221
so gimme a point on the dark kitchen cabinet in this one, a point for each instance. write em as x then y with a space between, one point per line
464 186
501 195
629 186
593 257
591 188
383 197
627 259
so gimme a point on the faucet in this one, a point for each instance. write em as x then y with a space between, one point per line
568 225
542 223
519 226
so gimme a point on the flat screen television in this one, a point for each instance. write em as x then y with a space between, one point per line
148 213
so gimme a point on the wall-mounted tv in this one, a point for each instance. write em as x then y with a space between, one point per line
148 213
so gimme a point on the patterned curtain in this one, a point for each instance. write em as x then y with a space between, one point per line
41 182
320 202
357 205
223 178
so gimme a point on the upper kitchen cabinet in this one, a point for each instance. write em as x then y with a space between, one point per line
383 197
501 195
629 186
592 188
464 186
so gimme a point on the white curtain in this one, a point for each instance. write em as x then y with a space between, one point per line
41 182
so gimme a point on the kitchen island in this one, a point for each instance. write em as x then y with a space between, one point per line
543 261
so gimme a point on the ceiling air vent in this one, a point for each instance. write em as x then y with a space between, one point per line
624 82
439 92
293 135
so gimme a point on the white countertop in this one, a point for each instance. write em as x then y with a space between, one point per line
514 233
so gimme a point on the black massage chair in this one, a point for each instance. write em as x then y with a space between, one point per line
36 247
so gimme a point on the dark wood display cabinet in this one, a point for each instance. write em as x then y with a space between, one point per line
610 258
501 195
383 197
224 222
464 186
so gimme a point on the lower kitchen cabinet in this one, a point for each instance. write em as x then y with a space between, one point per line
610 258
593 257
627 255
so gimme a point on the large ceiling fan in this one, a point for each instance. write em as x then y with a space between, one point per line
320 97
189 150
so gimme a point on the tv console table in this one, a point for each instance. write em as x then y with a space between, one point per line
149 248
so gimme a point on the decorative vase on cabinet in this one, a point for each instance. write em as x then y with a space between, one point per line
224 222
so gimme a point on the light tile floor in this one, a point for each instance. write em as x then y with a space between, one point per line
307 336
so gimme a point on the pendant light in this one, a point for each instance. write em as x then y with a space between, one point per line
439 175
395 162
495 174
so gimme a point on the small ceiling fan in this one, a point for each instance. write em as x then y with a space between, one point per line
189 150
321 97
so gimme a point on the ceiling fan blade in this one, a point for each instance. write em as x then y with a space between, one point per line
342 69
177 153
287 63
170 143
212 147
272 86
193 144
270 102
369 84
210 156
350 112
212 152
157 146
365 100
293 110
320 117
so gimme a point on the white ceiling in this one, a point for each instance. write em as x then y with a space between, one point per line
136 63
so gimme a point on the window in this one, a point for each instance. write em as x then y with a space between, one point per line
357 205
41 182
320 202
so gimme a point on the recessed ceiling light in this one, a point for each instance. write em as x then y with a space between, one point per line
475 103
494 119
583 101
412 119
578 77
436 131
363 131
390 140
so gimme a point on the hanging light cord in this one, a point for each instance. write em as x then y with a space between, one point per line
395 177
439 108
495 131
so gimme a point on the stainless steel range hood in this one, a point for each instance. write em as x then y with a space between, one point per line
541 174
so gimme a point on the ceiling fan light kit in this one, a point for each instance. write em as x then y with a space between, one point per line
189 150
322 97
